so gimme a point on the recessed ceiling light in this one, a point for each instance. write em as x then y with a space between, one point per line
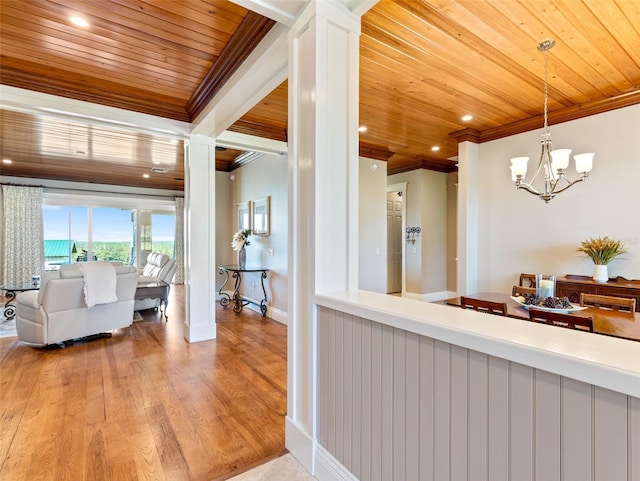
467 117
7 161
146 176
362 128
435 148
78 21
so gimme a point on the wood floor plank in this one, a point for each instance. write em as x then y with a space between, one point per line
145 404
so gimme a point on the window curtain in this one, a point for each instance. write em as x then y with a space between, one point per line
179 242
22 233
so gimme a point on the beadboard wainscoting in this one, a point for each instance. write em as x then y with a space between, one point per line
397 405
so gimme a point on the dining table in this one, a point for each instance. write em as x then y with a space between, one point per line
605 321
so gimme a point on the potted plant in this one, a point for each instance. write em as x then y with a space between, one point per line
601 251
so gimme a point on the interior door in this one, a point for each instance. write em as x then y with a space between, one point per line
394 242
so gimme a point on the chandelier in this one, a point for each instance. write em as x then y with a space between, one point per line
553 163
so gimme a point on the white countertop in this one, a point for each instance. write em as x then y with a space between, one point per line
604 361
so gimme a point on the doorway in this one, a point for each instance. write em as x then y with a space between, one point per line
395 238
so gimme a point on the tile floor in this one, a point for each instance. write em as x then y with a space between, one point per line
284 468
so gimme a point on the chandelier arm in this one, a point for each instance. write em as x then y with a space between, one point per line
529 188
581 179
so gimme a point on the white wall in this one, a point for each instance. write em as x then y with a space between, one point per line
520 233
265 176
225 226
372 226
452 231
426 207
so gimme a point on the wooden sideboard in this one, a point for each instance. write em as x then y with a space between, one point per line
571 286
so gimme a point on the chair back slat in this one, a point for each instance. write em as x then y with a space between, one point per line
490 307
561 319
522 291
527 280
627 304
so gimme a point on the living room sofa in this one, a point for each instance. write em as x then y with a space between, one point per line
58 311
159 267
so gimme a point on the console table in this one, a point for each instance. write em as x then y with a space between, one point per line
235 298
571 286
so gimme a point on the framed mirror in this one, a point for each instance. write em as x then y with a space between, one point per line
244 216
261 214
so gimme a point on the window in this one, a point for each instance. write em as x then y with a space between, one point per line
78 228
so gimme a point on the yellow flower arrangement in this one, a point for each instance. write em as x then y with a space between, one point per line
602 250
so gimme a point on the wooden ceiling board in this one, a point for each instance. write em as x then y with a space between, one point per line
268 118
66 44
423 64
152 56
452 80
570 73
89 56
74 149
137 21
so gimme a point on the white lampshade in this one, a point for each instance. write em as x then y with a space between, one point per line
514 177
519 166
560 159
584 162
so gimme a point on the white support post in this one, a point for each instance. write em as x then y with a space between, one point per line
467 241
200 230
323 187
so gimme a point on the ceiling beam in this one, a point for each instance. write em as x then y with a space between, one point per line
263 71
250 33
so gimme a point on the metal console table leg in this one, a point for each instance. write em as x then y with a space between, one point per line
235 299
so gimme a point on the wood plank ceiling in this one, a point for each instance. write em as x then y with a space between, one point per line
423 65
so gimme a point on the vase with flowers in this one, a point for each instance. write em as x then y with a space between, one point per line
601 251
239 242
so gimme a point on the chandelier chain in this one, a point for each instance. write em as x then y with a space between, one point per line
546 88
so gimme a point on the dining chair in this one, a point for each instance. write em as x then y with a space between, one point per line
480 305
561 319
627 304
522 291
527 280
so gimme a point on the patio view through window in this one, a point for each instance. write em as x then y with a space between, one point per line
81 233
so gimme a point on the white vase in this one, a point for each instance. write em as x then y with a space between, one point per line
600 273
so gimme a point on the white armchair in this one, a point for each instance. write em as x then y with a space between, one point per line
58 311
159 267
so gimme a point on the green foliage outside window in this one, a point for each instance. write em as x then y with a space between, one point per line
120 251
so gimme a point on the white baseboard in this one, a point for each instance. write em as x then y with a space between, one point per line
299 444
329 468
201 332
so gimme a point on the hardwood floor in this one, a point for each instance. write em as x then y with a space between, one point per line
145 404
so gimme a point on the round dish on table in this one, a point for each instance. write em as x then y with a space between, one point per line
573 308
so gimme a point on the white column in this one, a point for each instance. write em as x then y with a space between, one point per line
467 241
323 186
200 230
